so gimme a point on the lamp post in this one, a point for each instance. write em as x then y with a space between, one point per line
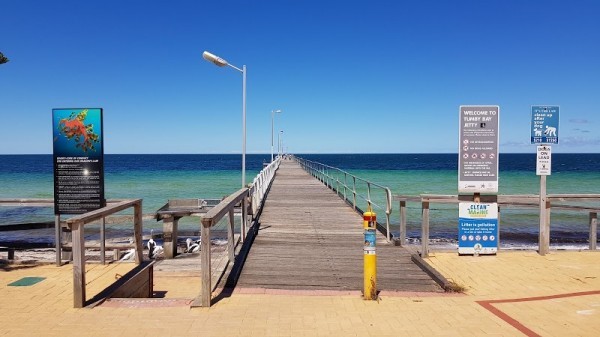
221 63
273 112
279 148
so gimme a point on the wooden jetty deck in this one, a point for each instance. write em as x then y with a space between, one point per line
310 239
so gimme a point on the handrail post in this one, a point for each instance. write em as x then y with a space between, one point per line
354 192
345 184
230 236
388 212
425 229
138 222
369 193
206 292
593 230
78 265
387 225
402 237
244 219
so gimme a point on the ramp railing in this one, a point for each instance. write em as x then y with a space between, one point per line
353 189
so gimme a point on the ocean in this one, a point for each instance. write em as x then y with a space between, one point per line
158 178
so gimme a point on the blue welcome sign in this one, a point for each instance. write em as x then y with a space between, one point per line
544 124
477 228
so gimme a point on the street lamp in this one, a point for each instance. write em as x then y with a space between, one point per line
273 112
221 62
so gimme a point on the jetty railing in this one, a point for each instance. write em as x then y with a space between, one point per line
556 201
252 196
76 224
58 224
261 183
210 219
345 185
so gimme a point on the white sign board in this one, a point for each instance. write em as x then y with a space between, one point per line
478 149
544 160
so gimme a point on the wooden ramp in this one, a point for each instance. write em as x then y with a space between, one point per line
310 239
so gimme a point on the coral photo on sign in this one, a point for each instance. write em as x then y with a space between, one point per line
78 160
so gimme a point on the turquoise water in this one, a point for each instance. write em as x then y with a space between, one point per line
158 178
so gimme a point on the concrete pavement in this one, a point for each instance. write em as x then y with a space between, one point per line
512 294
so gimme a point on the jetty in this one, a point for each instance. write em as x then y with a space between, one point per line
308 238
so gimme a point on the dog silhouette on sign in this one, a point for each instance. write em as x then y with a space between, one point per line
550 131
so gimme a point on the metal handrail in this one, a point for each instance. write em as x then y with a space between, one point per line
322 173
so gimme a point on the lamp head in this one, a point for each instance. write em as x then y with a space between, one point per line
214 59
278 111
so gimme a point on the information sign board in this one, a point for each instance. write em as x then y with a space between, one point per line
544 124
544 160
78 160
477 228
478 149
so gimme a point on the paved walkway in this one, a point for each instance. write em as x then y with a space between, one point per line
554 295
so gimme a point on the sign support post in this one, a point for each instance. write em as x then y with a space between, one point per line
544 131
544 238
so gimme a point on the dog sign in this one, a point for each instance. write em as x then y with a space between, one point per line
544 124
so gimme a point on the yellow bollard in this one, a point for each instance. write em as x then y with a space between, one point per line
370 256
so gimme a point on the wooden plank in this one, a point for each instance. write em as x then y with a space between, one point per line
230 233
206 289
170 236
215 214
137 231
402 237
425 230
78 266
102 212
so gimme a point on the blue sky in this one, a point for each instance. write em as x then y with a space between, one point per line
350 76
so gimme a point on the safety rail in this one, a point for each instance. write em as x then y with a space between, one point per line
261 183
209 220
332 178
58 242
76 225
254 194
517 201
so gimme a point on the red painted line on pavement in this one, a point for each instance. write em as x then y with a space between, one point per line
489 305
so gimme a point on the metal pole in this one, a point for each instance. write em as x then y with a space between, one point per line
244 126
103 241
57 239
544 238
272 130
